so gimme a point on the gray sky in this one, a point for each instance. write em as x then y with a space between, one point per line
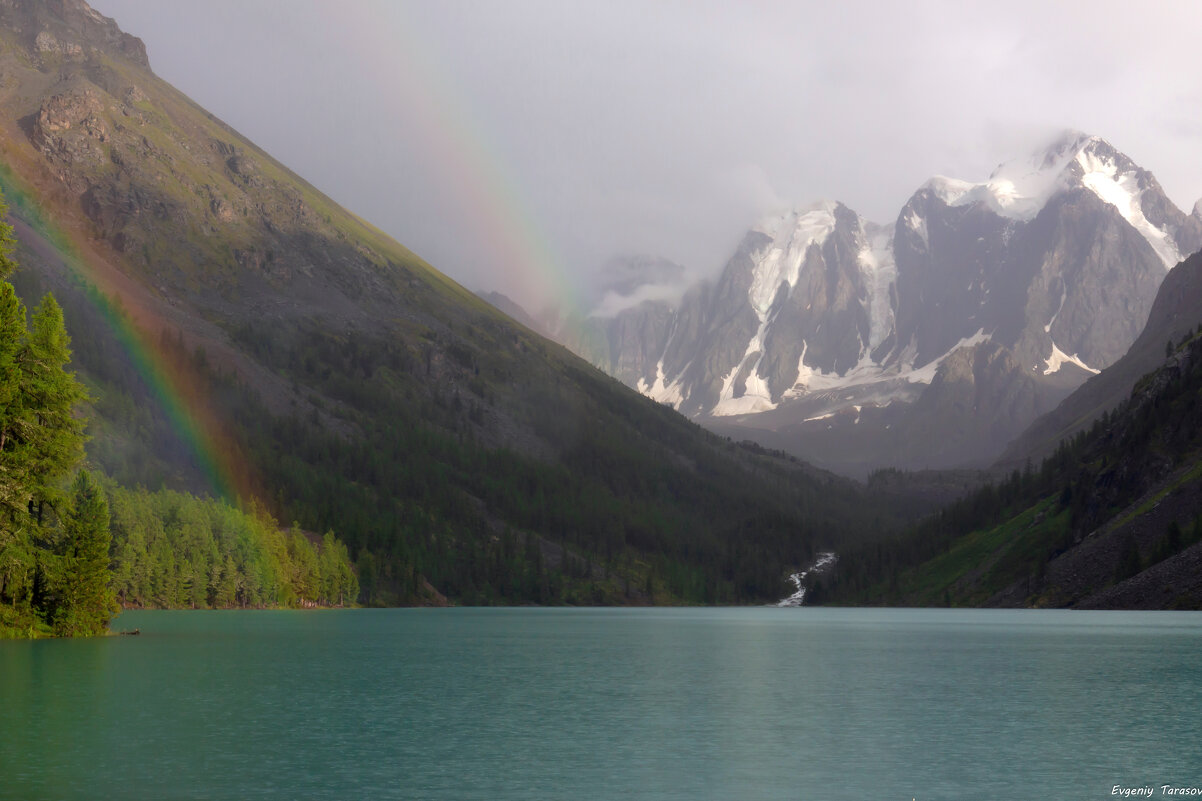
514 143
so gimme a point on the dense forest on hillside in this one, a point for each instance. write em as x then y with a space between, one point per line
429 505
430 509
671 514
1077 526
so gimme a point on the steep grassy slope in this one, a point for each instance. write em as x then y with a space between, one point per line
456 452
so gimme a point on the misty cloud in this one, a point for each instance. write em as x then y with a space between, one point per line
667 128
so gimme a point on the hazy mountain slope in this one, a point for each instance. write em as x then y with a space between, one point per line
1112 519
358 388
511 308
1176 312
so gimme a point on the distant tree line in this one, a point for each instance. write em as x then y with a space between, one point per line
172 550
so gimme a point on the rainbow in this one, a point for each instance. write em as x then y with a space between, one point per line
177 389
449 134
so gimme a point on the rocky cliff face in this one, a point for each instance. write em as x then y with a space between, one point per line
1054 261
184 200
52 31
1175 315
198 233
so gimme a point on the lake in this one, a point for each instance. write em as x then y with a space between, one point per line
804 703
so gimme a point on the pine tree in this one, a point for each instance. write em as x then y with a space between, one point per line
54 435
41 442
13 469
226 592
17 555
339 586
7 242
85 602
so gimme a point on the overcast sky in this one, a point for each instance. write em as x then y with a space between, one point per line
508 141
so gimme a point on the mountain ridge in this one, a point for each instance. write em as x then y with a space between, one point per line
1056 257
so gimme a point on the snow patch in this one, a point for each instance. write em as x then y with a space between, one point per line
661 391
926 373
1122 191
918 225
780 262
1058 359
879 272
756 395
811 379
950 190
1047 329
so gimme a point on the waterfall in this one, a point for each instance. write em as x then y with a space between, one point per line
825 560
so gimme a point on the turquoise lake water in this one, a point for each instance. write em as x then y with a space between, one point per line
607 704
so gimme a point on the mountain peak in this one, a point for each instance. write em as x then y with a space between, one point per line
1019 189
783 224
1067 145
627 281
627 273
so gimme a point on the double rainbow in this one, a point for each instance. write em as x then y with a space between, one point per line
446 132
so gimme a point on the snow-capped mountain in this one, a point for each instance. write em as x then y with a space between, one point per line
823 321
1057 257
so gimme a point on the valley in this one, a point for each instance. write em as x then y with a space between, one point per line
495 401
245 338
